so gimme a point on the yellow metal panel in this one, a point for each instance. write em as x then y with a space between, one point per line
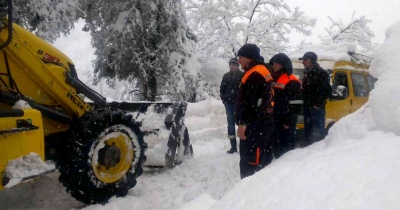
47 80
15 145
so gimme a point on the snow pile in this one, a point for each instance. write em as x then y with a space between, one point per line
202 202
151 119
206 120
384 101
25 166
334 51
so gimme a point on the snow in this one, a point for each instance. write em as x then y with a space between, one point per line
384 103
328 55
215 69
332 52
202 202
21 104
23 167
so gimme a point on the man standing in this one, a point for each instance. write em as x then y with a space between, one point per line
253 112
228 90
316 90
288 103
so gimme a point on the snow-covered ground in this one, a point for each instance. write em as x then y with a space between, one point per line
210 172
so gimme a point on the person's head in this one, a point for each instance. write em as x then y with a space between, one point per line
309 59
342 80
247 54
233 64
281 62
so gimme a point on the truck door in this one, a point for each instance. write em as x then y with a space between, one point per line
359 90
340 104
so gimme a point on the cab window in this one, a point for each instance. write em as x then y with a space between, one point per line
359 85
340 86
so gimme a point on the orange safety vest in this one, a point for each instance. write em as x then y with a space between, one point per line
261 70
284 79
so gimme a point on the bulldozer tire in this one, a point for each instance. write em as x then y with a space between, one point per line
179 147
105 153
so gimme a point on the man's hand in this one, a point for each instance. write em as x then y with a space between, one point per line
316 107
286 126
240 132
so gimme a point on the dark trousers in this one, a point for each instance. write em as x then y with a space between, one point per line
284 139
229 108
255 151
314 124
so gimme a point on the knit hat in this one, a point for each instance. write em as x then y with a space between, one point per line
234 61
250 51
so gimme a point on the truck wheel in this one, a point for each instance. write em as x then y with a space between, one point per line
105 153
179 147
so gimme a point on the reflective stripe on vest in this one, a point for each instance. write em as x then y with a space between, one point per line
284 79
296 102
261 70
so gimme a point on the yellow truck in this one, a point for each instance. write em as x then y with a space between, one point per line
351 84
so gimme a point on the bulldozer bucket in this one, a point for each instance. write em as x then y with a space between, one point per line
164 131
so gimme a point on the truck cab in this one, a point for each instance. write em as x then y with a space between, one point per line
351 85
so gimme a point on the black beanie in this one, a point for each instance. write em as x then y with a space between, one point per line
250 51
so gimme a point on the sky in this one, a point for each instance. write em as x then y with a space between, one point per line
382 13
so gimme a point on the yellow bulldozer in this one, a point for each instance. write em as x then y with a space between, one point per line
98 147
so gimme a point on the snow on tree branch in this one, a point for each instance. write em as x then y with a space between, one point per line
48 19
223 26
356 31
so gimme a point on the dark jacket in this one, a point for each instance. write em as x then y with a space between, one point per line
288 99
316 86
253 102
230 86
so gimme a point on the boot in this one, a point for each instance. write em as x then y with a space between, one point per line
233 147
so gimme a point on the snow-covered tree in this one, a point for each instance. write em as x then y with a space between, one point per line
48 19
223 26
356 31
145 41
